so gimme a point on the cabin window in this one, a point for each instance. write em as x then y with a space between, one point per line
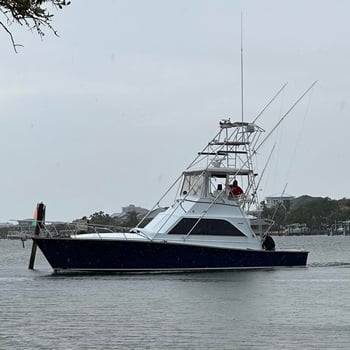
211 227
193 185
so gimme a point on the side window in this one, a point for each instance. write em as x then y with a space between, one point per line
211 227
193 184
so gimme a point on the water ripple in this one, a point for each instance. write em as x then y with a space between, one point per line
261 309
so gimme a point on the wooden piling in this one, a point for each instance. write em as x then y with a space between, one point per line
32 257
39 216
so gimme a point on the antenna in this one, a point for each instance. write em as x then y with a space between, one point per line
242 105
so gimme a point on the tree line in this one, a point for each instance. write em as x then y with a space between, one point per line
100 218
319 214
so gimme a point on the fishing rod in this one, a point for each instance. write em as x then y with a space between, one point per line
275 211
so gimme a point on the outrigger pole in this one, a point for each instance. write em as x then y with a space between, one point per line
273 98
285 114
254 151
38 221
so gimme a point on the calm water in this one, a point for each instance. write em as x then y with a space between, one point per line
269 309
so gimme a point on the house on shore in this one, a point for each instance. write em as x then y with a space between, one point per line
282 199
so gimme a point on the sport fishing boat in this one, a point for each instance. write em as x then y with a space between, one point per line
209 225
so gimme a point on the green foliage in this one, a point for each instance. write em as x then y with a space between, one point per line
314 212
317 213
100 218
131 220
30 13
277 214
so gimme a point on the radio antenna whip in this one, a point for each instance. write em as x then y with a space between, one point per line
242 105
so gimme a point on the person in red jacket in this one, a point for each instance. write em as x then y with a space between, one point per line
235 189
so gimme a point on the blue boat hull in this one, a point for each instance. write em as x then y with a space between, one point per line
66 254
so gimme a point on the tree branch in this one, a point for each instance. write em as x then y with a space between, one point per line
14 45
30 13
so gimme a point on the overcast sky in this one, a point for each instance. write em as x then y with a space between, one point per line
114 109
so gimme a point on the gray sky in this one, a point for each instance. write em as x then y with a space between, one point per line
111 112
